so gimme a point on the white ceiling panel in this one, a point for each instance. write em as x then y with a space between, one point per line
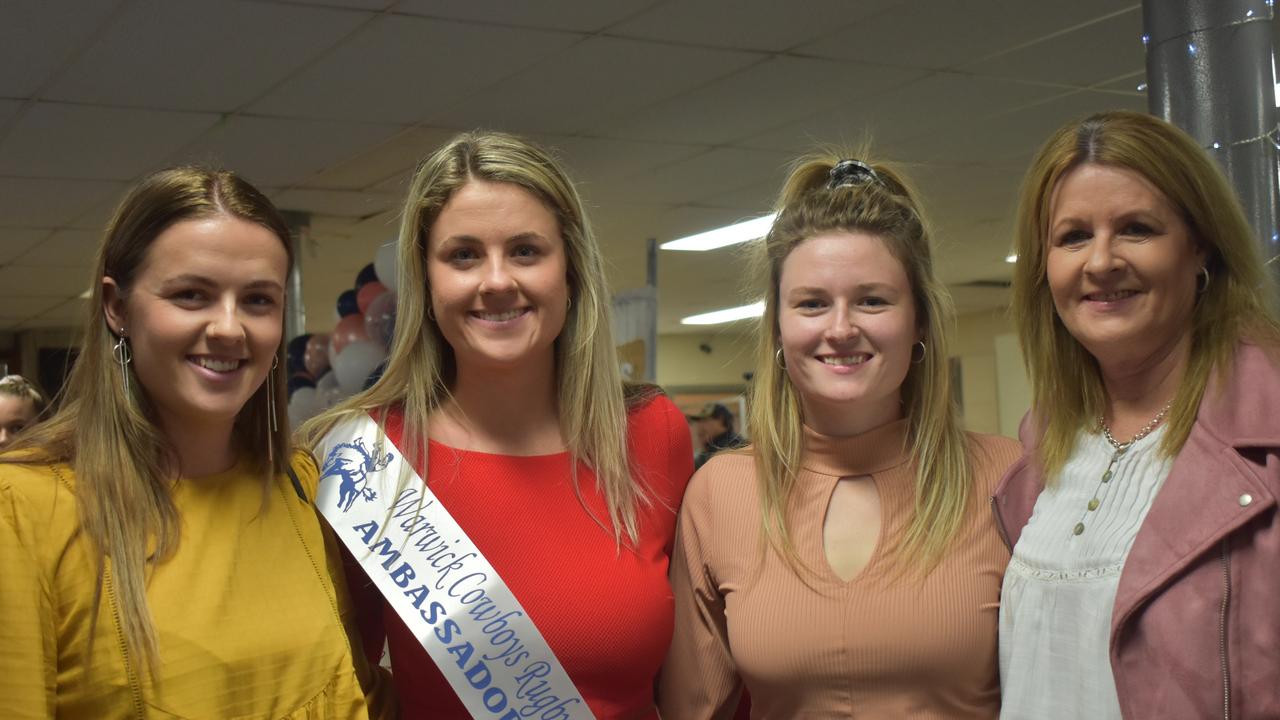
773 93
23 281
751 24
279 152
16 241
40 37
95 142
400 69
334 202
211 56
8 111
63 249
67 312
931 34
351 4
393 157
579 15
1134 83
17 309
592 161
1085 56
917 107
35 202
595 80
690 181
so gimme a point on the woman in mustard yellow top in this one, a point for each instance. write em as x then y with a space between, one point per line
159 554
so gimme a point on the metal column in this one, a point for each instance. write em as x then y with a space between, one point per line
295 313
1209 71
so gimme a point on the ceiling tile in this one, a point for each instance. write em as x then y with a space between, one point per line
94 142
596 162
770 94
597 79
906 111
578 15
8 111
200 56
756 24
24 307
1134 83
45 35
394 157
16 241
64 313
23 281
400 69
937 35
692 180
352 4
1085 56
279 152
35 202
335 202
63 249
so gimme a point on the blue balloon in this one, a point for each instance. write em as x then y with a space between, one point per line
366 275
294 353
347 304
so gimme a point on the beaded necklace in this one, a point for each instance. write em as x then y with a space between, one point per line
1120 448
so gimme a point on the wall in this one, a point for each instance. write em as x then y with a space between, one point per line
683 363
992 377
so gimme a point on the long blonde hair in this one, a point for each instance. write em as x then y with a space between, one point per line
888 208
124 465
420 367
1066 384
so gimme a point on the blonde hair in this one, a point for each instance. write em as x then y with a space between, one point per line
1066 385
888 208
18 386
420 367
124 466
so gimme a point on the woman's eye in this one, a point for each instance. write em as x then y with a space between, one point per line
462 255
811 304
874 301
525 251
188 296
1137 229
261 300
1072 238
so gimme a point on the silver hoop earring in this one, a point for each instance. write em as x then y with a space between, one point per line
923 351
1204 272
568 303
779 360
271 395
431 313
123 356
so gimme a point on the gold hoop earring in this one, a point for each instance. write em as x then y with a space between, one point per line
431 313
121 353
1204 272
923 351
779 360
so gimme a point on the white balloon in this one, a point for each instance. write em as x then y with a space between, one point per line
303 405
328 391
386 265
354 364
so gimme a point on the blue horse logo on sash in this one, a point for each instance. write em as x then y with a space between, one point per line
351 463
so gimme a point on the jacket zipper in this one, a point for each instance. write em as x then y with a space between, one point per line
1004 534
1222 630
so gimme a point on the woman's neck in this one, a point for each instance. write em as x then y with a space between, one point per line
1138 391
507 412
202 450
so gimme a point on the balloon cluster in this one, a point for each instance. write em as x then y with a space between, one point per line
325 368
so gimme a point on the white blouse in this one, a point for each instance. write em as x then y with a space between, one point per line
1060 587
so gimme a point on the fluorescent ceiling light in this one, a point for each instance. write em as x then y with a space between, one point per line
727 235
86 294
1011 258
746 312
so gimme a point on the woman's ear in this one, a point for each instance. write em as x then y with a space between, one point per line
113 309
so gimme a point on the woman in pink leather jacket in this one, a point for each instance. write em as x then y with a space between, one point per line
1145 579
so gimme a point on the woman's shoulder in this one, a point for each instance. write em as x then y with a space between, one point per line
728 477
38 499
991 456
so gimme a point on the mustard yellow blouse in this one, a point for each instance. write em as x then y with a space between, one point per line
251 612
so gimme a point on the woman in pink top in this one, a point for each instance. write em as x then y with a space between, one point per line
845 564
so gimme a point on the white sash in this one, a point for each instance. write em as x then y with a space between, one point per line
438 581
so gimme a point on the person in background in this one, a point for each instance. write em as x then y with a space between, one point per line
1143 519
503 395
159 551
20 405
861 578
715 428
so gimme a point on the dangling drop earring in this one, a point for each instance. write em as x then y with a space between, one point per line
271 393
121 354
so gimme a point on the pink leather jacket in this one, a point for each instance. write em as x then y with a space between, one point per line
1195 632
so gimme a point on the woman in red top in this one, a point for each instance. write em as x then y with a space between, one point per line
503 392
